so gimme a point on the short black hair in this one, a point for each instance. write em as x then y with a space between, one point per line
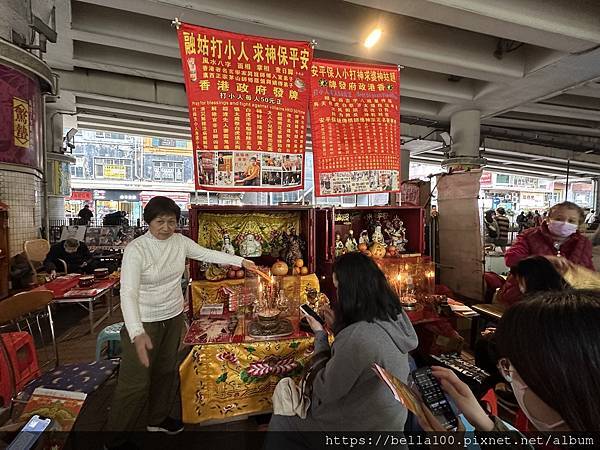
364 293
553 342
539 274
161 206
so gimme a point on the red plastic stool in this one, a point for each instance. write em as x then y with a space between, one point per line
6 383
491 401
22 356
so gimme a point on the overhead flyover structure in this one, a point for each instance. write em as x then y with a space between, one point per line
531 67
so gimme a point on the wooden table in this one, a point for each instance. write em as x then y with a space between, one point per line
66 290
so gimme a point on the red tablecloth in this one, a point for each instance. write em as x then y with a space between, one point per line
66 287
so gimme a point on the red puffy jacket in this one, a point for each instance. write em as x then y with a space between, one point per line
539 241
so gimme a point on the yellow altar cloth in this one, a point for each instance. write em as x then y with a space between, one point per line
222 381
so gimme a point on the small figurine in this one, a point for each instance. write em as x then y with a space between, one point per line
351 244
293 246
364 238
397 234
378 236
339 245
227 247
250 247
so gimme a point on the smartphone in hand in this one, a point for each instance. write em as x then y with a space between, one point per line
434 398
312 313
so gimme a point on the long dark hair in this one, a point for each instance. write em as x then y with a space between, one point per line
539 274
553 342
363 292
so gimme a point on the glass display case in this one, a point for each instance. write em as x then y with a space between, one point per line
388 232
265 235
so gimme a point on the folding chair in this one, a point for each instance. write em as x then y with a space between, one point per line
36 251
26 308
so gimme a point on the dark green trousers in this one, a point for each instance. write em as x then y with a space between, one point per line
155 385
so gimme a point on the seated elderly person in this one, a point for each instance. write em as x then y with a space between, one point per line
74 253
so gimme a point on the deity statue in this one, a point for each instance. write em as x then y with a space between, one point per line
397 234
227 247
364 238
339 245
293 246
351 244
378 236
250 247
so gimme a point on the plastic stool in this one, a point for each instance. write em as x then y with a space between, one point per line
22 357
112 335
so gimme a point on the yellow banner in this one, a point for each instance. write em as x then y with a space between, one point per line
114 171
21 122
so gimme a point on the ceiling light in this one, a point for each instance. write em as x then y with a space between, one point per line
373 37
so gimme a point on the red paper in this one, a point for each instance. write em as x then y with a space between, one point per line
248 97
355 123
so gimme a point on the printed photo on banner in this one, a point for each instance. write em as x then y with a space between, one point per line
358 182
270 178
206 167
247 168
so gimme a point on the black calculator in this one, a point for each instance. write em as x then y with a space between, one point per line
435 399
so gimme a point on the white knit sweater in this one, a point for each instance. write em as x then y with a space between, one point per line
151 277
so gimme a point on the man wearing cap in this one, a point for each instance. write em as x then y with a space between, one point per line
74 253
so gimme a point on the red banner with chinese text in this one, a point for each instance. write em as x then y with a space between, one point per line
355 124
248 99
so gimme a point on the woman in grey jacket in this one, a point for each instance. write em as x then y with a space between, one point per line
369 326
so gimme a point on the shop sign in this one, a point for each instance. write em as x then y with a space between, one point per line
177 197
21 122
486 178
248 98
114 171
116 196
20 119
355 124
85 196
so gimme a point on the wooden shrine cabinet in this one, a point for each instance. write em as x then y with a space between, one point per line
4 253
330 221
209 223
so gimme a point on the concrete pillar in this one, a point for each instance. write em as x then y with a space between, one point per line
460 243
404 165
597 195
465 137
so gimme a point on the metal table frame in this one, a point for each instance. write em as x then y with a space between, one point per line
87 303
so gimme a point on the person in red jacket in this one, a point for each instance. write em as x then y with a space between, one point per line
558 235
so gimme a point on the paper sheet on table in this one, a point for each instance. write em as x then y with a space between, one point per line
460 308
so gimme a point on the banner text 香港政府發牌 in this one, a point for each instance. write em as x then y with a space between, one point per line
248 99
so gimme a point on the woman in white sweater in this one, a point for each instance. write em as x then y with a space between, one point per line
152 304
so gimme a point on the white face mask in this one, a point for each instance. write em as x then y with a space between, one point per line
562 229
519 389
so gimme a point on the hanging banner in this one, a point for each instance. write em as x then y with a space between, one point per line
355 123
248 98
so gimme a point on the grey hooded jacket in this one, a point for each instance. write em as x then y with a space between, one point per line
347 394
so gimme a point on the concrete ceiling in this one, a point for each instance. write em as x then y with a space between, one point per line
532 67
